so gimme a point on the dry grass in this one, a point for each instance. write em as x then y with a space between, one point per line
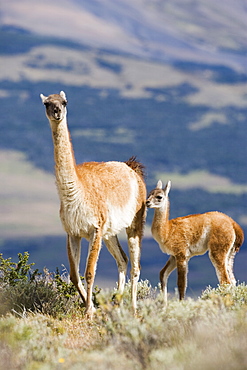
207 333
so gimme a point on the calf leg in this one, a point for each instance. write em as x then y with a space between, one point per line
182 268
220 263
164 274
230 261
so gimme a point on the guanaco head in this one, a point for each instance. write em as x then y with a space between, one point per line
159 195
55 106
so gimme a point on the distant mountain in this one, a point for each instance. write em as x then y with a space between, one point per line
165 81
205 32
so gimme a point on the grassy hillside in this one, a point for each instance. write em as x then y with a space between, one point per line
206 333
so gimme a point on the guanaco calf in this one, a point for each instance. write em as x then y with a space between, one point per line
185 237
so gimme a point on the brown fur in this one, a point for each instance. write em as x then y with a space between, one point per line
98 199
136 166
185 237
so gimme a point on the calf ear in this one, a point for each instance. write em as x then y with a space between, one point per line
62 94
159 185
167 188
43 98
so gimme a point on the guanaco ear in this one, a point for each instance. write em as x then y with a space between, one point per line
167 188
43 98
62 94
159 185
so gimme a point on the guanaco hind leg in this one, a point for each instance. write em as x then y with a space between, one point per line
134 236
134 241
221 267
117 252
230 261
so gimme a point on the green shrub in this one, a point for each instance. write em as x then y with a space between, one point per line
11 272
23 289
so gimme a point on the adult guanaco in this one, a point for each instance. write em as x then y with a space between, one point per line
97 200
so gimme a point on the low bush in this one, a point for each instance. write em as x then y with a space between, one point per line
24 289
206 333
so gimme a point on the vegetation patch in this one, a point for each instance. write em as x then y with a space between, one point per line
206 333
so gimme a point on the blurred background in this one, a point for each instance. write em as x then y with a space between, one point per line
164 80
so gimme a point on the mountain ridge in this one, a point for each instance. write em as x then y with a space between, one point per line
156 30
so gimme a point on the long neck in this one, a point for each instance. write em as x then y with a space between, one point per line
66 175
160 225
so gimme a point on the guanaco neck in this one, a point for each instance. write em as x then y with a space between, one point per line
160 225
65 166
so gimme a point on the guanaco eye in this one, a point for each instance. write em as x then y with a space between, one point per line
64 103
159 197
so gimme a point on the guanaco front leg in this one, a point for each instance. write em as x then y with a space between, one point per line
165 273
93 255
74 254
182 268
